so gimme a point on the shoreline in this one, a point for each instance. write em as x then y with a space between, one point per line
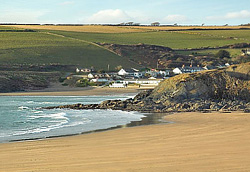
148 119
195 142
88 91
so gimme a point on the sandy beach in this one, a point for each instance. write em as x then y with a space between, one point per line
57 89
206 142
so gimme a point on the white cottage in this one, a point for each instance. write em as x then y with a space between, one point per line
122 72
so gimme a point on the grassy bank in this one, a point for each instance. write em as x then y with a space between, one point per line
43 48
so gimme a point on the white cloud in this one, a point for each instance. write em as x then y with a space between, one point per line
109 16
233 15
67 3
175 19
21 16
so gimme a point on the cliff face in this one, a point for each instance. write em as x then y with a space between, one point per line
232 83
223 89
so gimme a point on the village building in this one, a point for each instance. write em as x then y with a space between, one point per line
168 72
90 76
131 73
84 70
100 80
246 52
122 72
118 85
158 73
185 69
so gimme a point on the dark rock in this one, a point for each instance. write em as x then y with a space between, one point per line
247 110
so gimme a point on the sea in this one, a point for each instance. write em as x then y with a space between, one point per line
23 117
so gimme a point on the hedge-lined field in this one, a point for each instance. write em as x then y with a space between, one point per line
175 40
242 35
42 48
76 44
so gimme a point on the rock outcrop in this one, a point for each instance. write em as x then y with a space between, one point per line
226 89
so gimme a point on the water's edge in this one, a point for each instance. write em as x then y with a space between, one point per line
149 119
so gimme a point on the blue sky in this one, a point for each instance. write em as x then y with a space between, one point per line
210 12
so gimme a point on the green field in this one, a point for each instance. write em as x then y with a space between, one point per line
242 35
78 48
175 40
42 48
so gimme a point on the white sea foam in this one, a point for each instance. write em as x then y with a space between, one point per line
41 129
37 111
60 115
23 107
27 120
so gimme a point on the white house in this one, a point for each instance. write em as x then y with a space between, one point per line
122 72
77 70
187 70
177 71
90 76
118 85
131 73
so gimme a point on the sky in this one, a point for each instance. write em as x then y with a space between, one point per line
182 12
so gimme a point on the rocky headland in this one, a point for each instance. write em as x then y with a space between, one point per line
226 89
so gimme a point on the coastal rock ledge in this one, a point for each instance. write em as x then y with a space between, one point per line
226 89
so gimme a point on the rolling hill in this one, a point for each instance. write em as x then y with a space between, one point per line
46 48
77 45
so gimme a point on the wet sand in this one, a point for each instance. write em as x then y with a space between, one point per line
195 142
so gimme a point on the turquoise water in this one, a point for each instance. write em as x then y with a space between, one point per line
22 117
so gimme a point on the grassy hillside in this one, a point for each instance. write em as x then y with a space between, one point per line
175 40
75 45
19 81
243 35
162 35
43 48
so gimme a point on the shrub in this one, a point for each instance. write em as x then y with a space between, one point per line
222 54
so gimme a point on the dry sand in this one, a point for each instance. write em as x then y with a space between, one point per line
196 142
58 90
